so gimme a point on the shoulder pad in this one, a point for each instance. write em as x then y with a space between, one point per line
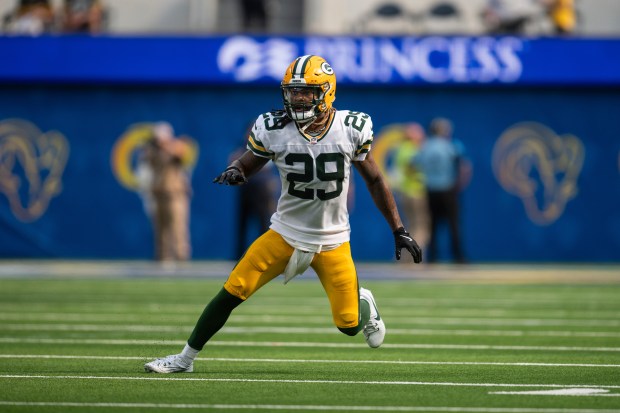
273 120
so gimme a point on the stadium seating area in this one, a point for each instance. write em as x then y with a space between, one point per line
595 17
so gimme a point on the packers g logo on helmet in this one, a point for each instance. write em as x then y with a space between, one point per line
327 68
311 72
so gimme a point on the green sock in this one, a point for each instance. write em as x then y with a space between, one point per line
213 318
364 312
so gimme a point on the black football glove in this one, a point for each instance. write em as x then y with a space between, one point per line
231 176
402 239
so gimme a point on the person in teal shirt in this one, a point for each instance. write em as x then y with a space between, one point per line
441 159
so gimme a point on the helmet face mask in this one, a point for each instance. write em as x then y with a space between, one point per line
308 88
305 108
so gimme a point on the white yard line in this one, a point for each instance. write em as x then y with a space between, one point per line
290 381
302 344
561 392
310 361
329 408
485 321
289 330
453 303
304 318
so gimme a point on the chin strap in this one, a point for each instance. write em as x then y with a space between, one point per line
310 122
305 126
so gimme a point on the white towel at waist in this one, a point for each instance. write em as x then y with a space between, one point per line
302 257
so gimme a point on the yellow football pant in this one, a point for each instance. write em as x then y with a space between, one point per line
267 258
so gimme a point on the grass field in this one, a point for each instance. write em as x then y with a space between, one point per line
454 344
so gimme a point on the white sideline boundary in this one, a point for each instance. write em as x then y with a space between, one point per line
309 361
218 269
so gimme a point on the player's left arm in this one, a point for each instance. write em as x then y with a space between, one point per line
381 195
384 200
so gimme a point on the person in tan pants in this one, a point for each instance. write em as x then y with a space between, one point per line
170 192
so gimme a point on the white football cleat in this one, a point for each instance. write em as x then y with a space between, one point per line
374 330
169 364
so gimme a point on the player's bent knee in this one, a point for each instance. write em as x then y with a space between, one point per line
349 319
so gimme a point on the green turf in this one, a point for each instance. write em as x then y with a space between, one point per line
79 345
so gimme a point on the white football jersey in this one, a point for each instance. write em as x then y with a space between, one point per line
314 171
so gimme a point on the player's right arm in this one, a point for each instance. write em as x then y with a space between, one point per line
238 172
257 155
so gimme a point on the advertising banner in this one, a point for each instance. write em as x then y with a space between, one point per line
358 60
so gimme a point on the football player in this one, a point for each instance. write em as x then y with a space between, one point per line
313 145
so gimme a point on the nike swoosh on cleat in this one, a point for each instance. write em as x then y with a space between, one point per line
376 308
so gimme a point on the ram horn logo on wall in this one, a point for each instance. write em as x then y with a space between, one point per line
127 150
533 163
31 167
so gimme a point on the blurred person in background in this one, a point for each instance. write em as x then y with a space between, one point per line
82 17
254 15
562 15
509 16
314 146
30 17
446 170
410 184
169 193
257 200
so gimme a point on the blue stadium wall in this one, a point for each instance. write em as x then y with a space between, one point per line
545 151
